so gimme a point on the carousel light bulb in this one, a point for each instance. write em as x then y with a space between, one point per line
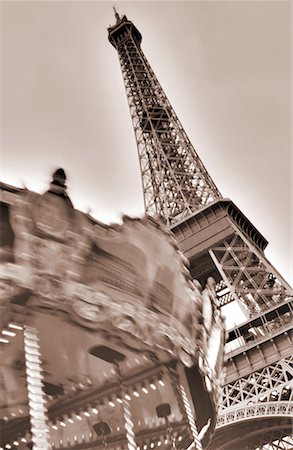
8 446
95 411
87 414
111 403
135 393
144 389
63 424
54 427
8 333
78 417
159 443
23 440
152 445
16 443
153 386
4 341
127 396
119 400
70 420
161 382
14 326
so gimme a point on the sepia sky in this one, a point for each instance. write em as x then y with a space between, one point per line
225 67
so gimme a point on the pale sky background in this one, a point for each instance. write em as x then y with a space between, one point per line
225 67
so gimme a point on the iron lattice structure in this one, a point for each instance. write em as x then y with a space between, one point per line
264 391
175 181
258 384
219 241
252 281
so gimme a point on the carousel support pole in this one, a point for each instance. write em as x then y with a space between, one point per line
163 411
104 440
36 401
170 436
191 420
128 422
184 405
102 429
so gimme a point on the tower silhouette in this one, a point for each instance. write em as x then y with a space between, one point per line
221 242
175 181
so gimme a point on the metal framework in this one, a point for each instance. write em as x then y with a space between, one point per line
283 442
176 185
251 280
175 181
264 392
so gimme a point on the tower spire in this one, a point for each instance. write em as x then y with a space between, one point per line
116 15
175 181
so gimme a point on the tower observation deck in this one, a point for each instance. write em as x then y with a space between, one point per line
219 241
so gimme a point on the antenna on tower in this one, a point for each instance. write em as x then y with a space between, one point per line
116 14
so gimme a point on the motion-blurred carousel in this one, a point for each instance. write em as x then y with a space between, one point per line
106 341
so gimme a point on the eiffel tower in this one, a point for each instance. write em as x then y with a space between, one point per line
220 242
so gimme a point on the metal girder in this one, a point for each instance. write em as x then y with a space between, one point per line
273 383
263 397
175 181
262 434
251 279
276 443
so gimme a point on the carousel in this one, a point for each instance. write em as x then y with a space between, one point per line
106 341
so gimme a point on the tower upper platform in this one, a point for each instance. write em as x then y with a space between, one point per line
122 29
